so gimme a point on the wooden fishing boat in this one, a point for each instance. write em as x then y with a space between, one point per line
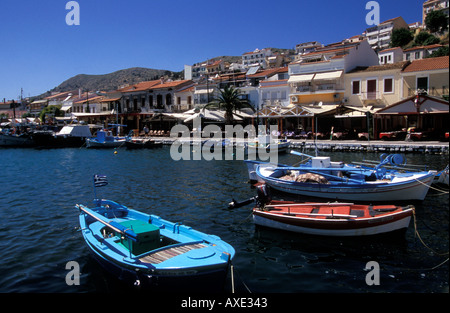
341 181
392 187
333 219
149 251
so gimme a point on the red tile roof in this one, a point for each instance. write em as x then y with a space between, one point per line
428 64
140 86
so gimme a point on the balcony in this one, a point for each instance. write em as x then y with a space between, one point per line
366 96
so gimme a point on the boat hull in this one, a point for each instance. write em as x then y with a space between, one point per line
159 254
16 141
325 225
413 188
92 143
175 280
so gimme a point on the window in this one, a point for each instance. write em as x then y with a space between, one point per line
356 87
422 83
388 85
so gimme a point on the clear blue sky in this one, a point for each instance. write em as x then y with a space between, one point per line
39 50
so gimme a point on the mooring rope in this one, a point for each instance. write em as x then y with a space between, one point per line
416 232
442 192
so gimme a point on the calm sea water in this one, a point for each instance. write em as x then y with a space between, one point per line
39 231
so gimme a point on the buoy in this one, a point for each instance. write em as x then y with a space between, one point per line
115 152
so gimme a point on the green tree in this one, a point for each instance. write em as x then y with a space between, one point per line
229 99
442 51
436 21
401 37
54 110
424 39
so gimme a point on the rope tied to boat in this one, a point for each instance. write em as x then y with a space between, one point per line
416 233
442 192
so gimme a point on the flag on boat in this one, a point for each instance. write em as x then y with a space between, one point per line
100 181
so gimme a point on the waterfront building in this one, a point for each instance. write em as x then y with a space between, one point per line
374 86
427 76
316 86
184 99
423 115
274 88
379 36
318 76
371 88
433 5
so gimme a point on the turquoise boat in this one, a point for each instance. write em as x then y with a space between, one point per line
148 251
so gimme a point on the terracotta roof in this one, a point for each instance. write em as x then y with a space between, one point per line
269 72
140 86
171 84
423 47
384 67
428 64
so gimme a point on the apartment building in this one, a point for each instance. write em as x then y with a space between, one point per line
379 36
374 86
256 58
433 5
429 76
318 76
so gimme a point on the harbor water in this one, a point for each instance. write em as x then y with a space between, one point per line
39 230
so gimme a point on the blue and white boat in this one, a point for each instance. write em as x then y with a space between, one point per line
149 251
105 139
313 182
322 178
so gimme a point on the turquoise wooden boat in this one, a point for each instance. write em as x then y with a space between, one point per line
146 250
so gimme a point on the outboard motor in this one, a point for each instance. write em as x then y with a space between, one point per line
263 195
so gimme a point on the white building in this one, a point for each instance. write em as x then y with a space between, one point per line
256 58
379 37
390 56
433 5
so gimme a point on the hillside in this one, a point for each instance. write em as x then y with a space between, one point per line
112 81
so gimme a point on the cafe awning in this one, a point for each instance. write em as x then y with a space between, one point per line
328 75
301 78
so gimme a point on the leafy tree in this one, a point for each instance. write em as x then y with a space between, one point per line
442 51
401 37
51 109
436 21
424 39
229 99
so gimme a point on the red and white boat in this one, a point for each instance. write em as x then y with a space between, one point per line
333 219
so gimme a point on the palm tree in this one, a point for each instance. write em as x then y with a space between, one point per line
229 99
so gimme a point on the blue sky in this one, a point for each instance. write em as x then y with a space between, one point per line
39 50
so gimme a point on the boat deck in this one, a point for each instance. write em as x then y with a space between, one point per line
165 254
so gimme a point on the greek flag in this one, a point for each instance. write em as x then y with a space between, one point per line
100 181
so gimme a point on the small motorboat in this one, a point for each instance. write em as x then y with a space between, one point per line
146 250
265 144
333 219
105 139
